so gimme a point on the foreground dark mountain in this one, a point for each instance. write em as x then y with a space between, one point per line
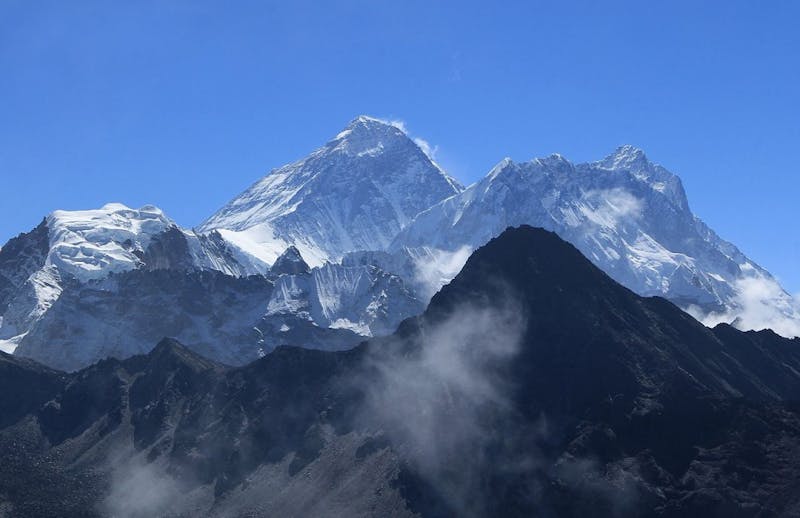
533 385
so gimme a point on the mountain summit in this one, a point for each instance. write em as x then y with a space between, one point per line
354 193
629 216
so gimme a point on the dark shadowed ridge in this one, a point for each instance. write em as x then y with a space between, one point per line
620 406
170 354
581 320
290 262
19 258
25 386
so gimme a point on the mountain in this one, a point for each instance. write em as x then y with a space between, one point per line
345 244
355 193
233 320
290 262
533 385
88 285
361 298
71 248
629 216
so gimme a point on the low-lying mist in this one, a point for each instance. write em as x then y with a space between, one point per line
440 398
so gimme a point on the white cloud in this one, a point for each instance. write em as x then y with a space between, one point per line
609 207
399 124
140 489
434 401
436 269
760 303
426 147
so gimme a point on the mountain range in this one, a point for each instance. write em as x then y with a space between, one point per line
532 385
344 244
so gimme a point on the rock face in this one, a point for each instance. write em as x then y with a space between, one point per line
233 320
355 193
533 385
363 299
630 217
128 313
290 262
19 259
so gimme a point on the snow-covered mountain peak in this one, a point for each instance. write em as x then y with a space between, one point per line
633 161
508 171
625 157
369 136
555 163
90 244
355 193
500 167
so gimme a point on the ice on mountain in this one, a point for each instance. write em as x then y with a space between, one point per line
627 214
355 193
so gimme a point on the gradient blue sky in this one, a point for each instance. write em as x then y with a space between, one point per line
183 104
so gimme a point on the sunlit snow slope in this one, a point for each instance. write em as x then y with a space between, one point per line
630 217
355 193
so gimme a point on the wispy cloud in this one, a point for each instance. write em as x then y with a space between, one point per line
609 207
434 402
399 124
426 147
760 303
140 489
434 270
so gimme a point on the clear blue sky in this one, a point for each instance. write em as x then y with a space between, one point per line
183 104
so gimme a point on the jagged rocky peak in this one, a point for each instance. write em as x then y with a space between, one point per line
290 262
634 161
509 171
501 166
168 250
19 258
625 157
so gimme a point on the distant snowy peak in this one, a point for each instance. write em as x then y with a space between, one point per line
625 157
354 193
626 214
90 244
367 135
634 161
